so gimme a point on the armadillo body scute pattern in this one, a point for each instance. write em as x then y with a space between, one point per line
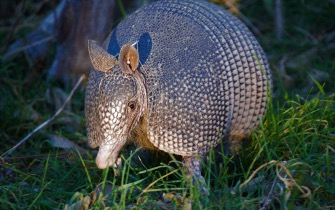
206 76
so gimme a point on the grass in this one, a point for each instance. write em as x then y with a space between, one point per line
291 155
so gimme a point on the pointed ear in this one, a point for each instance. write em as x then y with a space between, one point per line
100 58
128 59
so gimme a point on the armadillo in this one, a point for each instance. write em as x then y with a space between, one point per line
180 76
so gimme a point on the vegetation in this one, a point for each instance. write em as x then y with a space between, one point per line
289 162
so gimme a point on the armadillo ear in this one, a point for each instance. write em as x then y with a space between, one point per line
100 58
128 59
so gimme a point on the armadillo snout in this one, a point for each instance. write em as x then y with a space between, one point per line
109 120
108 154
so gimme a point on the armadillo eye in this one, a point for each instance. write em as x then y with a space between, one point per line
132 105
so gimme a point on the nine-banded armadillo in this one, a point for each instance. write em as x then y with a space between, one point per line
179 76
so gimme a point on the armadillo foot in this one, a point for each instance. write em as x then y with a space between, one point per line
193 167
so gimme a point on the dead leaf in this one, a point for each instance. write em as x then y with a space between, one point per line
82 204
64 143
172 197
187 206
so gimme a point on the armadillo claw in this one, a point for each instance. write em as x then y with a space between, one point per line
117 167
118 163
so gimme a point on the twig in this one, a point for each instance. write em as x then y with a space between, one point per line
255 173
80 80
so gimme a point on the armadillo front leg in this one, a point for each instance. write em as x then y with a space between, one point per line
193 167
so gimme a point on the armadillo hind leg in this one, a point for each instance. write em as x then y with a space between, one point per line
193 167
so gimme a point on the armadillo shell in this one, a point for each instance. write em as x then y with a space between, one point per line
207 78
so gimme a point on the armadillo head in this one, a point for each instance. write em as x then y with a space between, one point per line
114 101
